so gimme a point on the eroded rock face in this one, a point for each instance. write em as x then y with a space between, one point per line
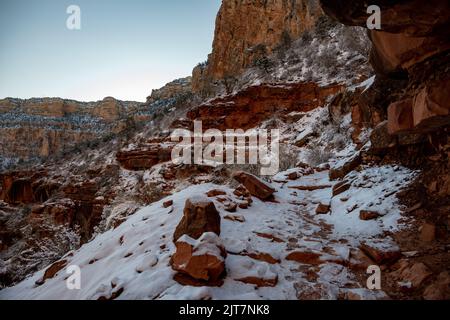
428 110
251 106
200 216
411 17
247 30
413 44
42 127
21 187
171 90
393 52
144 156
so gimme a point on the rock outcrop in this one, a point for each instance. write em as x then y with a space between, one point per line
248 30
171 90
199 216
413 44
144 156
41 127
252 105
412 17
254 185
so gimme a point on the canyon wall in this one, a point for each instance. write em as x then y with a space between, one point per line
247 30
412 51
42 127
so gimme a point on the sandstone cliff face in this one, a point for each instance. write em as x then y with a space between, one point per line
251 106
42 127
413 49
171 90
247 30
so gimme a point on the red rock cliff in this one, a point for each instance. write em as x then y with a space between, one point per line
247 30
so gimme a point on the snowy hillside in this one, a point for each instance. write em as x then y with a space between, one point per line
132 261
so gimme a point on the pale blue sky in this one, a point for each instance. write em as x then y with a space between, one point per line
125 48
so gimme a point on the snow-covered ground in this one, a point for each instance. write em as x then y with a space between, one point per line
133 259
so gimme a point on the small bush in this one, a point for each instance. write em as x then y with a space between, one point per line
317 156
288 158
324 25
263 64
149 193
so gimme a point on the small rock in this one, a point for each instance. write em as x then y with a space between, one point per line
241 191
353 296
235 218
341 187
243 204
323 209
359 260
310 187
168 203
269 236
342 170
293 175
305 257
215 193
230 206
368 215
260 282
262 257
410 254
381 255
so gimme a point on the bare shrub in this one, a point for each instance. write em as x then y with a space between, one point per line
263 63
317 156
254 169
328 59
149 193
356 39
323 25
288 158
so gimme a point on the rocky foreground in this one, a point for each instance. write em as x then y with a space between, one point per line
364 171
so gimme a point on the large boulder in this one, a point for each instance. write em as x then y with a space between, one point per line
395 52
254 185
426 111
254 104
200 216
431 105
247 30
199 262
